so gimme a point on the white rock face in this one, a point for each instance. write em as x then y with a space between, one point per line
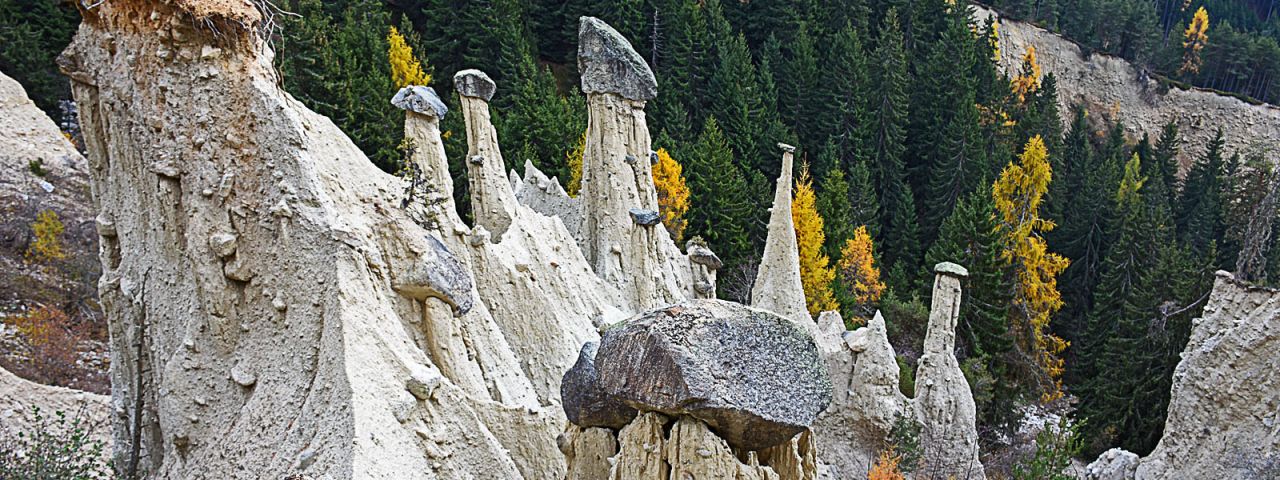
1111 88
1114 464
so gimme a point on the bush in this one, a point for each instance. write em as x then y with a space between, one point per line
36 167
52 338
906 376
904 438
1055 446
886 467
47 246
57 448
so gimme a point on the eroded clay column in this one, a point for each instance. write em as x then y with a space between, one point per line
777 287
944 404
493 203
620 204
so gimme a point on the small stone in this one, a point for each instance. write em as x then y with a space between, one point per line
474 83
615 248
704 288
787 148
437 273
106 227
422 384
952 269
477 160
644 217
653 157
223 244
243 378
278 304
630 159
46 186
210 52
420 99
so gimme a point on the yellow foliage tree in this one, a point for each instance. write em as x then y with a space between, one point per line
1193 40
1018 194
858 269
47 246
574 158
405 68
886 467
995 41
816 273
673 193
1029 80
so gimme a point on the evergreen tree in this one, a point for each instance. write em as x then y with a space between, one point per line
899 232
848 122
1199 212
1165 160
718 196
33 33
833 205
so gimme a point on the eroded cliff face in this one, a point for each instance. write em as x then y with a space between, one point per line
1224 411
1112 89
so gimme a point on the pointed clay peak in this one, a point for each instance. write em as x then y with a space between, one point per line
778 288
474 83
420 99
609 65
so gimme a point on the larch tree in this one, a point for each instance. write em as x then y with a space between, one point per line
673 194
1028 79
1017 195
406 69
1193 41
860 275
816 273
574 160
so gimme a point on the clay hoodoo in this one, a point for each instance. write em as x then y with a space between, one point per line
777 287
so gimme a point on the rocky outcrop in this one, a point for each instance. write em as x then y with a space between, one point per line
1112 88
754 377
867 402
1224 408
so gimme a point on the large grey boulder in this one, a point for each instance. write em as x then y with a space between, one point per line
420 99
609 65
474 83
585 403
754 377
437 273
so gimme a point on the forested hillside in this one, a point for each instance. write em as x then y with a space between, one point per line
1088 252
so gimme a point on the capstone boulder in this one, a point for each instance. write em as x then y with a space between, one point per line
754 377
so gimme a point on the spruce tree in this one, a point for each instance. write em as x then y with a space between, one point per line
899 235
834 202
1166 158
720 206
1199 213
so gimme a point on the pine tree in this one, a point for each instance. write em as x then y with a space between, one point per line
673 194
1199 212
899 232
1124 395
718 197
816 273
1018 194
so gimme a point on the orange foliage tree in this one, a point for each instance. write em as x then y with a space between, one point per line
673 194
816 273
1018 194
405 68
1029 80
859 272
1193 40
886 467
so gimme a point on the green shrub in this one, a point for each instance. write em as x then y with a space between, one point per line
36 167
1055 446
906 376
57 448
904 438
